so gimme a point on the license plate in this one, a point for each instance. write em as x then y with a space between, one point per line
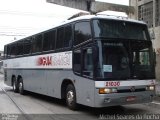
130 98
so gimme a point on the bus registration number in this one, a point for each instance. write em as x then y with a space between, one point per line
130 98
112 83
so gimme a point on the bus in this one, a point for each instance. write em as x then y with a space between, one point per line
92 60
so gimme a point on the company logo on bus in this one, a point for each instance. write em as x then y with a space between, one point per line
44 61
132 89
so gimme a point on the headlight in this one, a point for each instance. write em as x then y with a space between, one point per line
150 88
107 90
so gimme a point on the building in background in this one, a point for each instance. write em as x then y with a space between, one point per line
149 12
93 6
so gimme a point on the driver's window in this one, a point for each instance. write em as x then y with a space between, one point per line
87 62
141 57
144 58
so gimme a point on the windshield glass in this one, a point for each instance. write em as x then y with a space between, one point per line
126 60
120 29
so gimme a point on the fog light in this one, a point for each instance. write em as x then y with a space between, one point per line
150 88
107 90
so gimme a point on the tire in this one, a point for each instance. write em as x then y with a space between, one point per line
15 85
71 97
21 87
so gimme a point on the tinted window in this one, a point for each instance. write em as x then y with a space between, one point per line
8 50
13 50
68 36
60 38
20 48
37 43
27 46
120 29
49 40
82 32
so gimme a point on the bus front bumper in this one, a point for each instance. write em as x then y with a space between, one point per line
114 99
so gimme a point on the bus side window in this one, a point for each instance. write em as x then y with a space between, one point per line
77 61
13 50
8 51
49 40
87 62
82 32
60 38
68 36
27 46
37 43
20 48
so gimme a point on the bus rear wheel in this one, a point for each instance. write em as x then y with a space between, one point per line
71 97
15 85
21 88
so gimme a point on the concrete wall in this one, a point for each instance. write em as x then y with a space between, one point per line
158 67
77 4
93 6
157 48
143 2
156 42
134 15
102 6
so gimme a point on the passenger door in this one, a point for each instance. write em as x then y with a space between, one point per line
87 67
83 62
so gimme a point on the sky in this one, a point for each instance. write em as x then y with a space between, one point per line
20 18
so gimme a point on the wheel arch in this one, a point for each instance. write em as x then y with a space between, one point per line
12 78
64 85
18 78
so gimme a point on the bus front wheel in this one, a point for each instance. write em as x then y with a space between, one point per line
71 97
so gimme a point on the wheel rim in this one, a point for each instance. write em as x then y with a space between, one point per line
14 85
70 97
20 86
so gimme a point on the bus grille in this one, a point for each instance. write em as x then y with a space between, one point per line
128 90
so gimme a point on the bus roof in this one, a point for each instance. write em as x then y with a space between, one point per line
99 16
89 17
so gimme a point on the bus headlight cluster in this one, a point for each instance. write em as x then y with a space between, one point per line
150 88
107 90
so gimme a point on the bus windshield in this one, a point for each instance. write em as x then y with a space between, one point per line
119 29
115 60
122 59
